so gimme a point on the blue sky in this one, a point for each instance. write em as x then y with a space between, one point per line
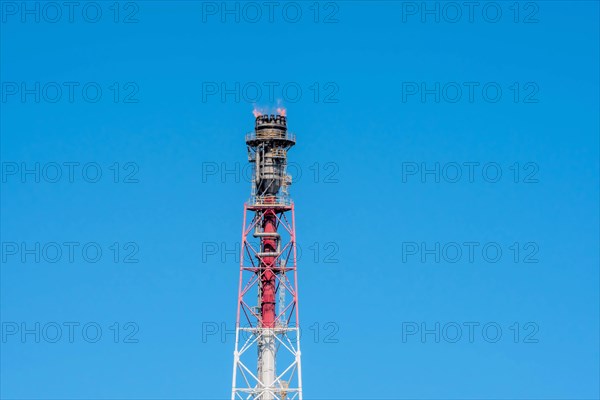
371 92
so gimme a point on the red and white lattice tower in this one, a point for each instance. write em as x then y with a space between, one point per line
266 361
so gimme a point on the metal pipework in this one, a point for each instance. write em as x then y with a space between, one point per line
266 234
267 148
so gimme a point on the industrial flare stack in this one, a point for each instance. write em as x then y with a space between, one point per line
267 346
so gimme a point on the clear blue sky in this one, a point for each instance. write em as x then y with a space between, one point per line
364 133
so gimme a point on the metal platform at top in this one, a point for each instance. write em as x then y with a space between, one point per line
254 138
261 203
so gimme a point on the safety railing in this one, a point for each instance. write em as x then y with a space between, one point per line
270 201
271 135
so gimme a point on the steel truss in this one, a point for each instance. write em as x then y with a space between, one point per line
254 339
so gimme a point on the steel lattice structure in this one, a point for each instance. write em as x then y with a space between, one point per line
267 342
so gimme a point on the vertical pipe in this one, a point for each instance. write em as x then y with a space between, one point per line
267 301
269 245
